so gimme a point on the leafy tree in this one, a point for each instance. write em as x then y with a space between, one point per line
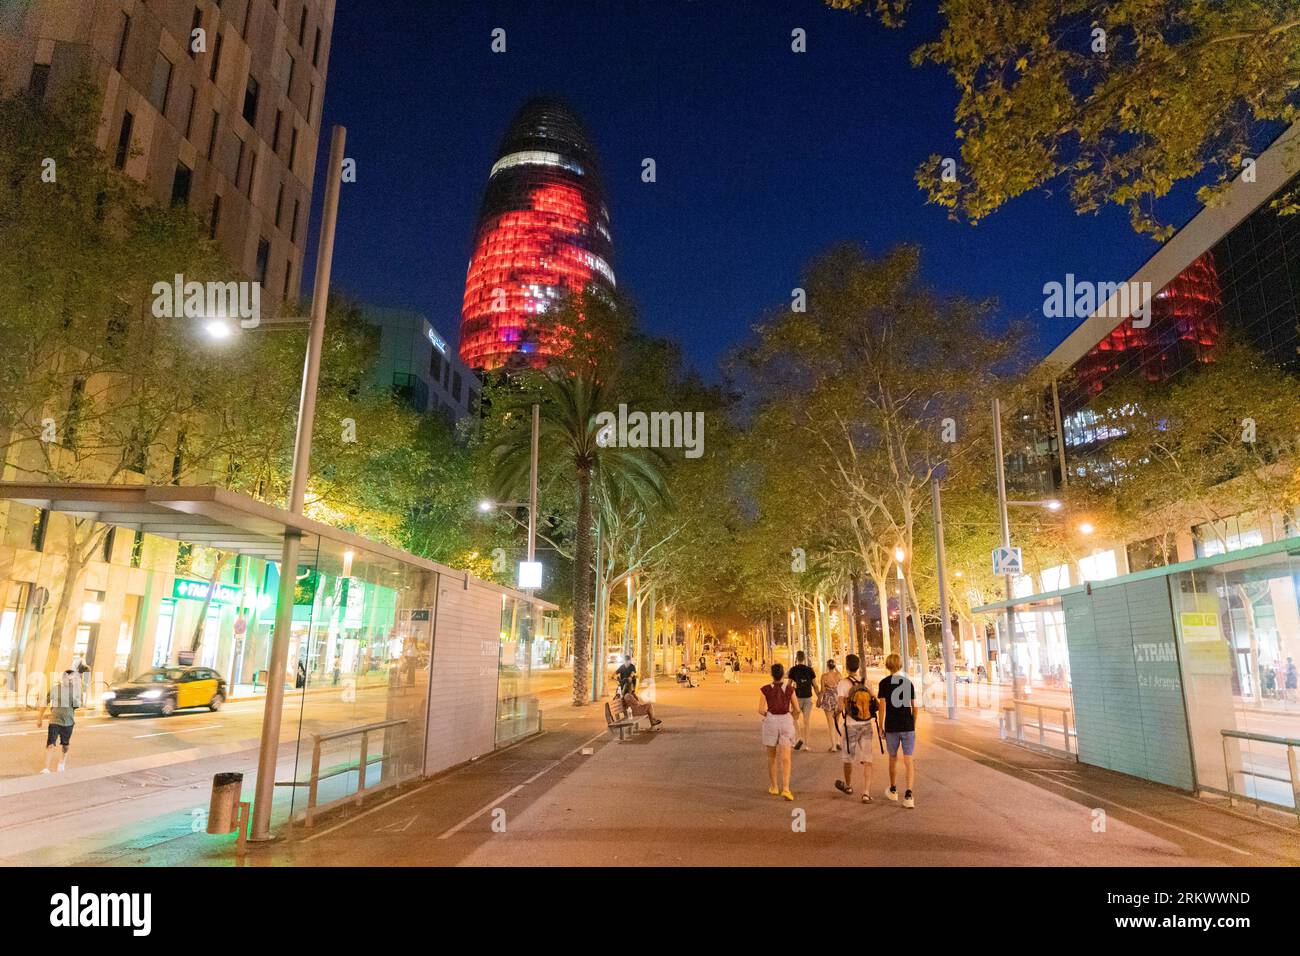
1119 99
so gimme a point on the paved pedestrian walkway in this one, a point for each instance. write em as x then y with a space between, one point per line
695 793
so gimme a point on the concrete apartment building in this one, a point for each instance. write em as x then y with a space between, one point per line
215 103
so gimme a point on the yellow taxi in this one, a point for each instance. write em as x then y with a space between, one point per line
165 690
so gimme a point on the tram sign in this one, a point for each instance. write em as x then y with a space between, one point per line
1008 561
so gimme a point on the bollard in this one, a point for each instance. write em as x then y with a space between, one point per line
226 789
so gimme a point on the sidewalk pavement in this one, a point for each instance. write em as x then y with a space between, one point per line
694 793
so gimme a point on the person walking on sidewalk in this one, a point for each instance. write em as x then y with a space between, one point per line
898 696
829 702
804 678
860 709
62 702
778 730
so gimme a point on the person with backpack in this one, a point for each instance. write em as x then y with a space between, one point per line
804 677
860 710
898 697
778 730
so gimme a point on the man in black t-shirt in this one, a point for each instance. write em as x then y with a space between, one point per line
626 675
899 697
804 677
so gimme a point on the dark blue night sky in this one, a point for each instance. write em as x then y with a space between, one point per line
765 157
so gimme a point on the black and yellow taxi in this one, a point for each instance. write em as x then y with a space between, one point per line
165 690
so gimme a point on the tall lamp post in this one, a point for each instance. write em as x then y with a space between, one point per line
272 710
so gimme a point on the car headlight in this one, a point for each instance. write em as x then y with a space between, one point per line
108 695
152 694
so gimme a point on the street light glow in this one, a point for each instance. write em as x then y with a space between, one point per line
1053 505
485 506
1086 528
217 329
899 554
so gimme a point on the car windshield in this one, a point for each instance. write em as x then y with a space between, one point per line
159 675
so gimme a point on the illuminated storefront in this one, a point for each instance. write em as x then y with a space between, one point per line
543 234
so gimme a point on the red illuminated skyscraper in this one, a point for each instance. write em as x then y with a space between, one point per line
543 233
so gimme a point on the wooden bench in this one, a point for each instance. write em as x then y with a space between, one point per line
624 724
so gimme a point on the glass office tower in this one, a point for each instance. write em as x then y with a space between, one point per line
543 234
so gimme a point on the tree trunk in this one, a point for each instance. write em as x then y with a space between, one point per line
207 603
582 596
882 601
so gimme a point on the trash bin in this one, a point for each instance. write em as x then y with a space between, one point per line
223 810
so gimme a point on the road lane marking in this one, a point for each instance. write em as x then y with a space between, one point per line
187 730
513 790
1093 796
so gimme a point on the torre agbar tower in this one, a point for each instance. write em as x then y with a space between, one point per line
543 233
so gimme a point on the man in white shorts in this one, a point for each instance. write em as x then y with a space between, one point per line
857 707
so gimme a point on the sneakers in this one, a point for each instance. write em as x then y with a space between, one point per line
908 801
798 745
892 794
843 787
655 723
63 765
787 794
772 790
45 770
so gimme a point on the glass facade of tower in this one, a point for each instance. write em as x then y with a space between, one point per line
1247 284
543 234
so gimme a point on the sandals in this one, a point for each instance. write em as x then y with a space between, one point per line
843 787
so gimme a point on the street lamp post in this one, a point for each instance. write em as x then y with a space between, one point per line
945 625
272 710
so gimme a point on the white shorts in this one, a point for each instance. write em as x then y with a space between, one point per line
859 741
778 730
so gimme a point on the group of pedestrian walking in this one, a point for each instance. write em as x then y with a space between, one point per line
885 720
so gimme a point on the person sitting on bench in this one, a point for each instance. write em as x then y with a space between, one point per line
633 707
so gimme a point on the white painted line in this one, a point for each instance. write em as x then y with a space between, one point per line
366 813
1093 796
187 730
512 791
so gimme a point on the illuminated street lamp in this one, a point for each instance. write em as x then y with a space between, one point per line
1086 528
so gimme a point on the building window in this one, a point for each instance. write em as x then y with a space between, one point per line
288 277
302 25
181 185
292 64
216 59
435 365
315 49
263 260
293 146
239 162
293 226
212 134
121 43
196 24
214 219
252 172
189 113
137 548
251 91
161 85
279 205
40 525
124 140
40 80
311 100
455 386
243 27
275 135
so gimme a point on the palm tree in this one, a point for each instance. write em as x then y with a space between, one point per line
568 437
